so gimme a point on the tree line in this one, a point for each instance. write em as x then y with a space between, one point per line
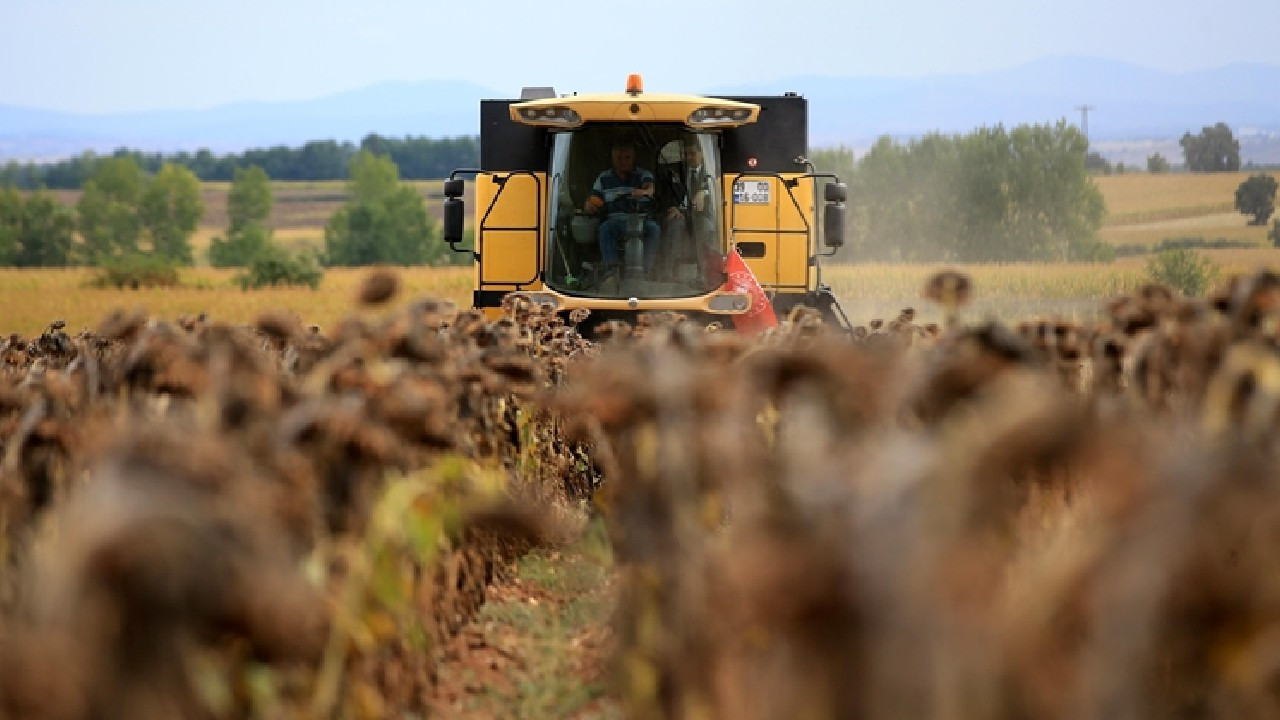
993 195
1000 195
121 212
417 158
126 213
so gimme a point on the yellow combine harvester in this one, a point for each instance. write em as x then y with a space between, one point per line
630 202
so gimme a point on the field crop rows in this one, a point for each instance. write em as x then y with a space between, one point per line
1144 194
204 520
1040 520
30 299
1145 209
969 518
1020 491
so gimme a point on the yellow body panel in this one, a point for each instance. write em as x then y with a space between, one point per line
784 225
510 223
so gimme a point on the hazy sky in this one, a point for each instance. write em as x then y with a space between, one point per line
120 55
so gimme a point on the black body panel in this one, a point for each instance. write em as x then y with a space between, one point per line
775 139
507 145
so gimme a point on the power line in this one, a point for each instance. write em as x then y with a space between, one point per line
1084 119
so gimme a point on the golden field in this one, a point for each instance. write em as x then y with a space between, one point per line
1143 208
31 299
1014 291
1135 196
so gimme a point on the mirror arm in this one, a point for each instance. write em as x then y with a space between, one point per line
454 211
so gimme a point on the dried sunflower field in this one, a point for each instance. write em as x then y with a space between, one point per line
204 520
954 519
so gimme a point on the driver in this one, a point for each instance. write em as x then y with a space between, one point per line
619 191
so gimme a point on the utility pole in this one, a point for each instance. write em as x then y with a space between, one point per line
1084 119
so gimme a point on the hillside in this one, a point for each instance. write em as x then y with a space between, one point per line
1132 108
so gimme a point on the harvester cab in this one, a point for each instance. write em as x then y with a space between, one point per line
629 202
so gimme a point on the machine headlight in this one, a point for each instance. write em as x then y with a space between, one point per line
712 116
556 115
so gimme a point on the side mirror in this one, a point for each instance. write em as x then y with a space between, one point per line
453 188
454 213
836 192
833 223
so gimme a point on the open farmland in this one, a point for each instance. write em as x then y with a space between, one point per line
1144 209
1047 492
32 298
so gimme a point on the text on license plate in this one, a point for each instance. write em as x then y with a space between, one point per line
751 192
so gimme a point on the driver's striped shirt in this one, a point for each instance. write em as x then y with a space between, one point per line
616 191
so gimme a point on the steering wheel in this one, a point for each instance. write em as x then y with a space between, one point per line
633 204
639 205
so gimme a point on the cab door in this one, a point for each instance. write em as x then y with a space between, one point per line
509 230
770 221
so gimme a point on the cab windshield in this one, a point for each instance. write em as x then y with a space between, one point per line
636 212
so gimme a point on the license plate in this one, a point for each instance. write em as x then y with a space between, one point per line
752 192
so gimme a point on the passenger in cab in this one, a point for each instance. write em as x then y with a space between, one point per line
623 192
689 218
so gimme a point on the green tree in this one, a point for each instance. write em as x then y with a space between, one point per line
1256 196
35 232
239 249
108 210
1184 269
249 201
1215 149
170 210
837 160
371 178
1097 164
840 162
1156 163
385 221
11 211
248 207
377 145
992 195
905 196
47 234
277 266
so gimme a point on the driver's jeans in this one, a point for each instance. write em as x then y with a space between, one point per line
612 232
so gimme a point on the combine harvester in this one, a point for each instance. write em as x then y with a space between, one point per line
621 203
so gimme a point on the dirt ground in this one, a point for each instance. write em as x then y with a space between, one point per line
541 645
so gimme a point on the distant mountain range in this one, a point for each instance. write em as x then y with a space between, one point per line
1132 110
